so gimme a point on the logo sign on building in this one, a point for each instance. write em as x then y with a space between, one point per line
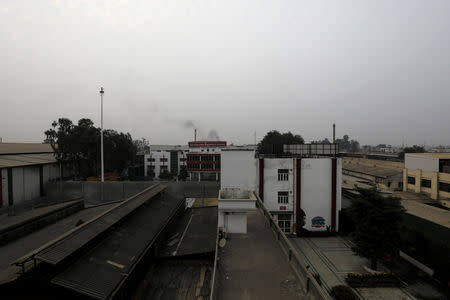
282 207
318 222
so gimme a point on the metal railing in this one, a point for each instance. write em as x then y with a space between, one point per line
312 288
213 277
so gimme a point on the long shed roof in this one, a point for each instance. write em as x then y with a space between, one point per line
20 160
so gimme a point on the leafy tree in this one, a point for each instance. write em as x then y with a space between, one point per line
378 222
324 141
345 144
413 149
142 146
183 173
151 173
273 142
165 175
78 147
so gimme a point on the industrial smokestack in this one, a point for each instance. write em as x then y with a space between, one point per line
195 134
334 133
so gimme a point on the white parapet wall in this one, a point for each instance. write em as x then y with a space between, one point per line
238 169
233 207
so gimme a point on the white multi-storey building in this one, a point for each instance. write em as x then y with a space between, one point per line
165 158
295 190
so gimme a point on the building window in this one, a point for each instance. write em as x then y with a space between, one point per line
426 183
283 197
411 180
284 222
163 159
183 159
445 187
150 159
163 169
283 174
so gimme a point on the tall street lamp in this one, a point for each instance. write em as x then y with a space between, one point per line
101 135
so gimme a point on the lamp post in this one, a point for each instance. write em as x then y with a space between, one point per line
101 142
101 134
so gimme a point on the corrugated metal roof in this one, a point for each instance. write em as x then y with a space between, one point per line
100 272
86 233
22 148
19 160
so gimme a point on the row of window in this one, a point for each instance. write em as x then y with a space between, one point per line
163 159
204 166
444 187
203 158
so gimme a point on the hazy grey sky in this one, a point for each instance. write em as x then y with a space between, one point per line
380 69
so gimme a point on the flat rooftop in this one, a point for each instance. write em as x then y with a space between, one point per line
372 167
415 205
433 155
253 266
193 233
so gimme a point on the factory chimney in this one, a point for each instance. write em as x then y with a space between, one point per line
195 134
334 133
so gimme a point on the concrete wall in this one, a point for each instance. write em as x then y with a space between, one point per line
434 192
316 192
426 164
238 170
235 222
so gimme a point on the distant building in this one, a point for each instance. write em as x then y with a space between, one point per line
203 160
200 158
165 158
297 189
385 175
25 168
428 173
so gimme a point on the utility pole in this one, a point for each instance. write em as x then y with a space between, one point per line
101 143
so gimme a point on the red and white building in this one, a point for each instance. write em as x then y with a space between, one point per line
292 189
204 160
200 158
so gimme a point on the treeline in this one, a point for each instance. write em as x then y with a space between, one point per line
77 147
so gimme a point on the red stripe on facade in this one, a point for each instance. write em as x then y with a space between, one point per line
203 154
261 179
298 194
207 144
333 194
203 170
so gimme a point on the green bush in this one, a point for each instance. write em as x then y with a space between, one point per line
343 292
